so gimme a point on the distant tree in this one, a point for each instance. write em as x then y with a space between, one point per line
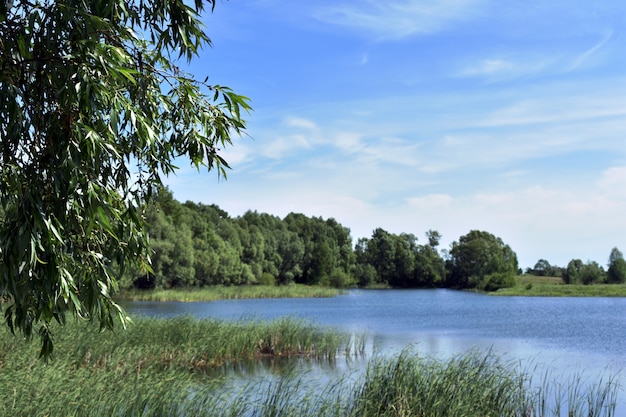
616 273
572 273
172 252
543 269
592 273
481 260
433 237
381 250
365 274
430 268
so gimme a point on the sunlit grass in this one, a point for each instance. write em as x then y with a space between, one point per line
530 285
228 293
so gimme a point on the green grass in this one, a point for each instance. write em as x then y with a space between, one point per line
228 293
534 286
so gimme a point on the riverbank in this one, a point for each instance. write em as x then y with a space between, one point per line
525 286
219 292
535 286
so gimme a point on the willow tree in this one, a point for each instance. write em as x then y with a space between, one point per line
94 112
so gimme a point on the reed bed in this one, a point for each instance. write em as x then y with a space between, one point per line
154 364
219 292
476 384
155 368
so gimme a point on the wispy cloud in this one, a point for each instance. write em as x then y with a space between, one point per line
501 69
583 58
397 19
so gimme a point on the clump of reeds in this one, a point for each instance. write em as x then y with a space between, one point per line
475 385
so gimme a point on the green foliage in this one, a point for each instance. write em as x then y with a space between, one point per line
267 279
197 245
592 273
398 260
573 270
481 260
579 273
498 280
543 269
93 111
616 273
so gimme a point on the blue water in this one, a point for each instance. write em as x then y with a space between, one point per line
565 334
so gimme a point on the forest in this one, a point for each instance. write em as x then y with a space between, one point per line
196 245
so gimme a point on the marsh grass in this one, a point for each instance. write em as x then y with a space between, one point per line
176 367
229 293
154 365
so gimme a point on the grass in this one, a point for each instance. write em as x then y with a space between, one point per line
228 293
534 286
177 367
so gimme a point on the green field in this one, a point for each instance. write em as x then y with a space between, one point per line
535 286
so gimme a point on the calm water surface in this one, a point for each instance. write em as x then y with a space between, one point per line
565 334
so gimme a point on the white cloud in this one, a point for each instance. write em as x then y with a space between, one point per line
397 19
302 123
505 69
614 181
490 67
281 146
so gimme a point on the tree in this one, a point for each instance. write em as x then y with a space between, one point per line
592 273
172 258
433 237
572 272
381 251
481 260
616 273
94 109
543 268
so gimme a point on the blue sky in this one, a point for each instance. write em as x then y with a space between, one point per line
410 115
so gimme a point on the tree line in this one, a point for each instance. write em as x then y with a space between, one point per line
590 272
195 245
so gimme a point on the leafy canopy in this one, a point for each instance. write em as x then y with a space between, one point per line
93 111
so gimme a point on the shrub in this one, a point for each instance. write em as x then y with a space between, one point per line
267 279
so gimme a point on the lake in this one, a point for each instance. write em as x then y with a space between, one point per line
566 335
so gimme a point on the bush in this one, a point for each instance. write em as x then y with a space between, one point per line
267 279
492 282
499 280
